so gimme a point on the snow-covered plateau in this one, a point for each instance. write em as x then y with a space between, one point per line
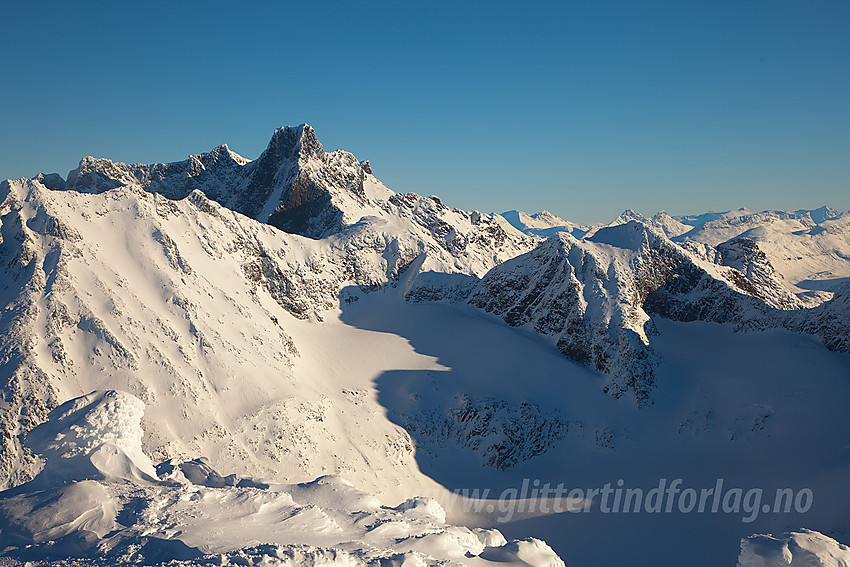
281 361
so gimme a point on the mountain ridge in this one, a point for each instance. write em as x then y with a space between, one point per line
368 235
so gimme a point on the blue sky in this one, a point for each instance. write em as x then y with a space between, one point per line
582 108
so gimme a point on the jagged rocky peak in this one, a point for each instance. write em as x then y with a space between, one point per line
51 181
594 297
96 175
545 215
294 185
820 214
740 253
315 187
219 156
629 215
293 143
632 235
754 274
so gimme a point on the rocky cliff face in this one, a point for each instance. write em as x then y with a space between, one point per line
501 434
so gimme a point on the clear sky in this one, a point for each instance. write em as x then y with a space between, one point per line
582 108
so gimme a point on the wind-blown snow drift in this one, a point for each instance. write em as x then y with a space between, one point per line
99 496
804 548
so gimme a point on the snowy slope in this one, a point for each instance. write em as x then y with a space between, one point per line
759 409
99 496
686 433
591 297
804 548
199 312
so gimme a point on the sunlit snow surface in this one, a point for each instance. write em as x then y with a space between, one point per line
99 498
804 548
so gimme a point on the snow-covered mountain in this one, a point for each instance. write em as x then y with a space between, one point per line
290 317
298 187
132 288
543 224
593 298
803 253
807 250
